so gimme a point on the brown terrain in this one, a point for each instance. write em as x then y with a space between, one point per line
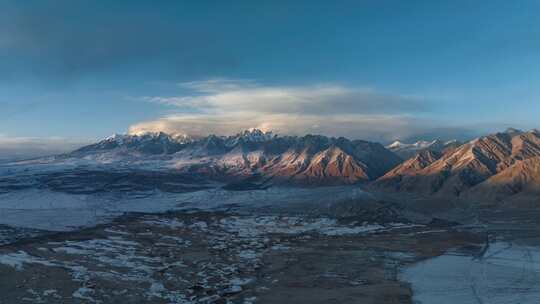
326 248
499 167
307 160
326 166
220 258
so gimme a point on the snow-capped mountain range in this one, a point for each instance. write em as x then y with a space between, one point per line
500 166
407 151
310 159
163 143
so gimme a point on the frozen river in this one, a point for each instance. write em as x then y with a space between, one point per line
506 273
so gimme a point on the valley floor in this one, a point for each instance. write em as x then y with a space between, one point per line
279 245
217 257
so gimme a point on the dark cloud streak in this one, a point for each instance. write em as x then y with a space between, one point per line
64 40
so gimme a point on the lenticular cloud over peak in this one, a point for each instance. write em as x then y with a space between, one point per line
224 106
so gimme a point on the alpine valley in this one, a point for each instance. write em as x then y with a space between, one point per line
261 218
500 166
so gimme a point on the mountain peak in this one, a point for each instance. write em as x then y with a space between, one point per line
396 145
500 165
512 131
310 159
406 150
254 135
115 137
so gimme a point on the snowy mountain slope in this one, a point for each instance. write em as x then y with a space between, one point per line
407 151
310 159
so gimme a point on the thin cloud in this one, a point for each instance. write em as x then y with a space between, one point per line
216 85
226 96
374 127
224 106
13 147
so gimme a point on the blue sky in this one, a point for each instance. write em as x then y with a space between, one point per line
76 71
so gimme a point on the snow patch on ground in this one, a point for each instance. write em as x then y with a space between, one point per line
55 211
170 223
18 259
250 226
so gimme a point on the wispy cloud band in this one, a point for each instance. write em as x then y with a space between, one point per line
224 106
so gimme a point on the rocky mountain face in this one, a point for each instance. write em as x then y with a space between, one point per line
408 168
150 143
521 181
407 151
310 159
497 166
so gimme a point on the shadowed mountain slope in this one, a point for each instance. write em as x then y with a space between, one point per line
504 163
310 159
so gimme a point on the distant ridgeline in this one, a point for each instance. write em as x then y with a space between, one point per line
499 166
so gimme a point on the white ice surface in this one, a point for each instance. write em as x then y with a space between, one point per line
56 211
507 274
